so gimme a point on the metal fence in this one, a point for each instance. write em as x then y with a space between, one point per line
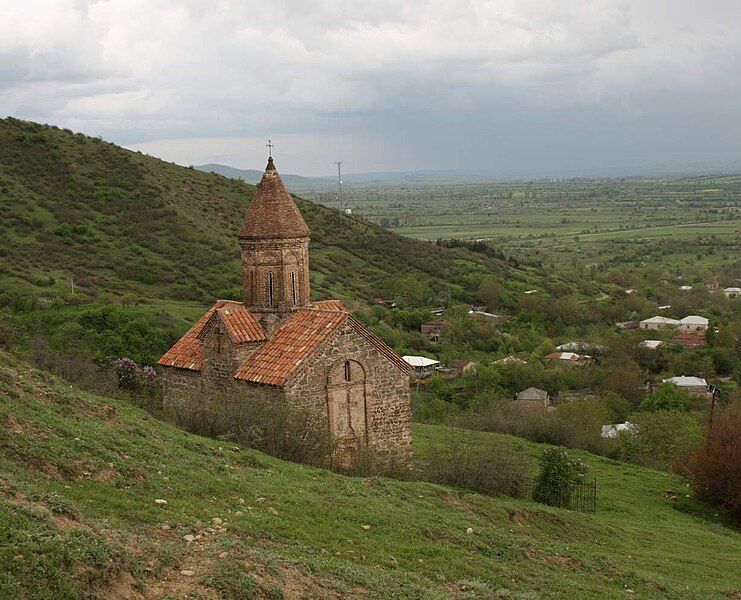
581 497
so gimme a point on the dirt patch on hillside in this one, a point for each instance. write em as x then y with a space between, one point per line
455 500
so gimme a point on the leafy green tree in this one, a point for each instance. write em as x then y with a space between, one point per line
668 397
489 292
664 440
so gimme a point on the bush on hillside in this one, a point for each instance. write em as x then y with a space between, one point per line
559 473
574 424
664 440
141 383
272 425
578 424
487 467
716 467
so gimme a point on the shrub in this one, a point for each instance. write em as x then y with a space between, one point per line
578 424
488 467
716 467
10 333
140 382
664 440
273 425
574 424
558 474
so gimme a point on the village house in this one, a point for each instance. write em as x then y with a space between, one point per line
510 360
484 316
533 400
625 325
732 292
433 330
696 386
658 322
694 323
279 345
567 357
421 365
613 431
651 344
580 347
383 302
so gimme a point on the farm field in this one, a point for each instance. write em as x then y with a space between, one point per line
565 221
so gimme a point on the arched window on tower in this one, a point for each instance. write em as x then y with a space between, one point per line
293 288
270 289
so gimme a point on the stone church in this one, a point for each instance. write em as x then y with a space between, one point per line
278 344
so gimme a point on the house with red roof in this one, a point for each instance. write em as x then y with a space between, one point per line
278 344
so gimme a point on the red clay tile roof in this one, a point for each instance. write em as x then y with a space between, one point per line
187 353
281 357
329 305
690 340
300 337
272 213
295 341
240 323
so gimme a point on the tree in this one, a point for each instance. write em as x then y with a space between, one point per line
624 378
489 292
578 423
668 397
664 440
716 467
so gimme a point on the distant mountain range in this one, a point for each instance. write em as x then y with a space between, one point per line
298 182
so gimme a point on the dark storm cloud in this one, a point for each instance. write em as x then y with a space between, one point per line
515 87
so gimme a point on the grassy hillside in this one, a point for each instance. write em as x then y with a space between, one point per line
80 476
118 221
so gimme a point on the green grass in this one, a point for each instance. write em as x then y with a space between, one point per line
126 226
79 476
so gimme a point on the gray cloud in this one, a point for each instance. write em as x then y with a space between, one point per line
512 85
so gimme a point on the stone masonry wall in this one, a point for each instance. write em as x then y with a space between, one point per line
388 403
197 399
189 395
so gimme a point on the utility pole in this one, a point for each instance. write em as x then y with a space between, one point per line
339 183
72 284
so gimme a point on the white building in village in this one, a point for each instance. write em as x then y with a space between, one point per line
422 365
658 322
694 323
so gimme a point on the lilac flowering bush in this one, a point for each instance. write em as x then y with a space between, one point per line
141 382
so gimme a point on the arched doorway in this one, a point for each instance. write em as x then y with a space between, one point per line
347 408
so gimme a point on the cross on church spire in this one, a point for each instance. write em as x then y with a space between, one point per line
270 145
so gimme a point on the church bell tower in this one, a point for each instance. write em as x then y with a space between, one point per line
274 240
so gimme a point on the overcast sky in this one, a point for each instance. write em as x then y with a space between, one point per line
520 87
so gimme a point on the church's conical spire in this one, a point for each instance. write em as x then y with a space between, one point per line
275 252
272 213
